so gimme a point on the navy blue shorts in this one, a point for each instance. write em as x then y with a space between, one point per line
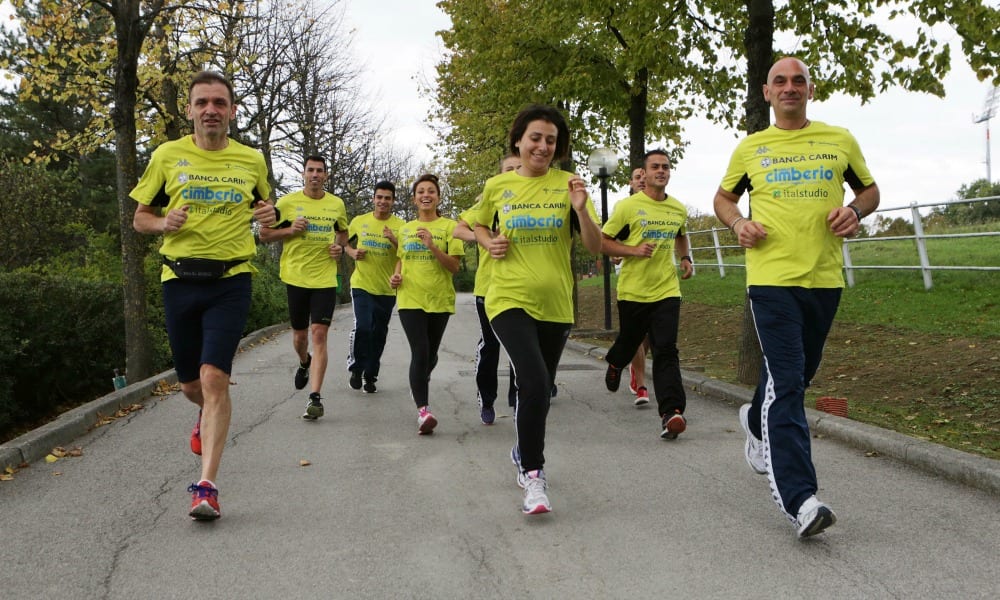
315 304
205 322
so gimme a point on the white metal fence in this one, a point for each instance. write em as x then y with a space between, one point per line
920 238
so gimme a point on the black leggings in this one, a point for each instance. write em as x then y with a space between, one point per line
534 348
424 331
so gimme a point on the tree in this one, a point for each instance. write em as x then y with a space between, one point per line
622 74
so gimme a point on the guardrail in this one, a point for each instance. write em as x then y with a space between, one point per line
919 236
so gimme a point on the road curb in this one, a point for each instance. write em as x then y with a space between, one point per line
74 423
974 471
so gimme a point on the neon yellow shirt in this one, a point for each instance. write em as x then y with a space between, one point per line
427 285
536 215
305 258
484 268
218 187
373 272
657 222
795 179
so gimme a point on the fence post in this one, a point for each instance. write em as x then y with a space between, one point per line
718 253
918 234
848 265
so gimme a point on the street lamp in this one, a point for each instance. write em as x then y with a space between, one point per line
603 162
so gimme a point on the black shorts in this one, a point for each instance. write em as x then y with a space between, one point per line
205 321
307 305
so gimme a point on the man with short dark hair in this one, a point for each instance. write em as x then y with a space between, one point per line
313 233
646 229
373 240
199 193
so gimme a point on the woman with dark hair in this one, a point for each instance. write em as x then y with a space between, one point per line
534 210
425 292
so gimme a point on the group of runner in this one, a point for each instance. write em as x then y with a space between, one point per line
207 186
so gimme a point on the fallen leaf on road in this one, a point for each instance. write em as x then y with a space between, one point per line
59 452
304 463
6 477
50 458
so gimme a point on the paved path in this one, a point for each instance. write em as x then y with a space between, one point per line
384 513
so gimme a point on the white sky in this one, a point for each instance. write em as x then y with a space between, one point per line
919 148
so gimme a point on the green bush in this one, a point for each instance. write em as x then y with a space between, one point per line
62 338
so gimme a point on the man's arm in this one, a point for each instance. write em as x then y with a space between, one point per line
845 221
147 219
612 247
727 210
464 232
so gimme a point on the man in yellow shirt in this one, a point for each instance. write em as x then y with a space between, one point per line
313 234
373 241
795 173
199 193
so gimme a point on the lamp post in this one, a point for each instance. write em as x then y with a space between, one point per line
603 162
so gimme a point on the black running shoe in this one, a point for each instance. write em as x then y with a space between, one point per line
355 380
613 378
302 374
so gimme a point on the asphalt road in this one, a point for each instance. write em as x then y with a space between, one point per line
384 513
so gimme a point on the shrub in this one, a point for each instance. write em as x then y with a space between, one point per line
62 338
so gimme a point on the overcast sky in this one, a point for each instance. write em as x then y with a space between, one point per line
919 148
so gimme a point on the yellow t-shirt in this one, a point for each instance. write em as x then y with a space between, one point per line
427 285
484 268
640 219
373 272
305 258
795 178
219 187
536 216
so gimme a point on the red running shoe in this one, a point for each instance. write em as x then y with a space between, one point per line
632 387
204 501
196 436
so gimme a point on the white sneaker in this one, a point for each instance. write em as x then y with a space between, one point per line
814 517
535 500
515 457
753 449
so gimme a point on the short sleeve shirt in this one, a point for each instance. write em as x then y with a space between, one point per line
484 268
795 178
536 216
305 258
372 274
218 187
640 219
427 285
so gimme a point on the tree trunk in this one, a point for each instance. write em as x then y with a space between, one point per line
759 45
638 105
138 344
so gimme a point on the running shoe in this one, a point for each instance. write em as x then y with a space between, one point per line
535 500
515 457
641 396
204 501
613 378
196 436
632 387
314 409
673 425
302 373
753 449
814 517
370 384
486 414
426 421
355 380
